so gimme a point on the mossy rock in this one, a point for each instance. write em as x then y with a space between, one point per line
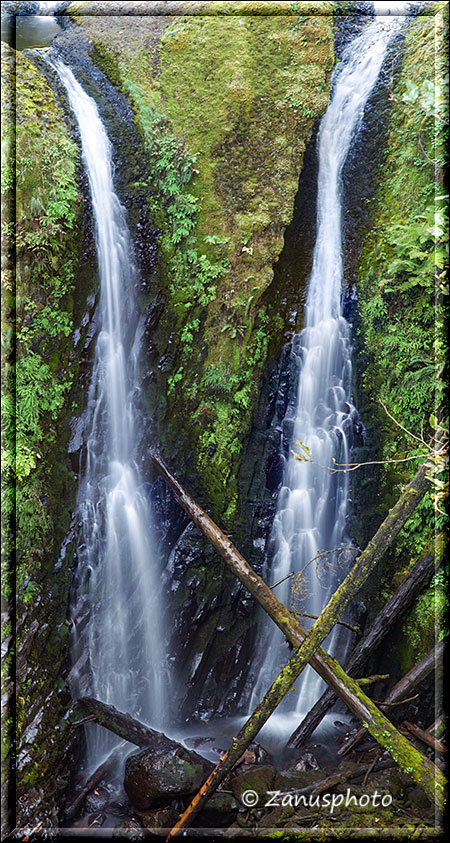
259 778
49 218
151 776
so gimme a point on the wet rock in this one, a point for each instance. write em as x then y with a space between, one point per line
150 775
259 779
306 761
254 754
129 830
159 820
222 806
96 819
277 817
291 779
97 800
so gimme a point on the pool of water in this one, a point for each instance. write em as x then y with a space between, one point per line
25 31
211 738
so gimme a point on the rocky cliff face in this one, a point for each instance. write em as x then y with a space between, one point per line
46 286
401 346
218 102
225 100
225 105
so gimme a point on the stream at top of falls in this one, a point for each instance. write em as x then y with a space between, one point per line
313 502
116 648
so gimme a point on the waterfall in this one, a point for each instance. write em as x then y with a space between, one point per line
47 8
116 629
312 504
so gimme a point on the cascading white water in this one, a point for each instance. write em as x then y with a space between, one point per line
116 641
312 504
47 8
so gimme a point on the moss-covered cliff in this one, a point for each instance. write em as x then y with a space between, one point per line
401 346
225 106
44 298
225 100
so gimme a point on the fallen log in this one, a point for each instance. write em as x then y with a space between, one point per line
395 607
404 686
123 725
132 730
436 745
436 728
424 773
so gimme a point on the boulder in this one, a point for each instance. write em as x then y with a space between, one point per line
159 820
154 775
258 779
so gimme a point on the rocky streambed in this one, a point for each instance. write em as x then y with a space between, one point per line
258 798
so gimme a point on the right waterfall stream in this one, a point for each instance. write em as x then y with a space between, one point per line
312 505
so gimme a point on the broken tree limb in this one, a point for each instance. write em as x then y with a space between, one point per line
395 607
402 688
367 680
315 617
123 725
425 737
100 773
421 770
340 778
132 730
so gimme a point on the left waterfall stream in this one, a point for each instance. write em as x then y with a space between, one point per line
116 650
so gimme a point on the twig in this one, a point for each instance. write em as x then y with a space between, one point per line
283 580
36 828
425 737
398 702
404 428
369 770
327 553
366 680
84 720
352 466
315 617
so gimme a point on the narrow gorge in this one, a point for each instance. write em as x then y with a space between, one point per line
224 253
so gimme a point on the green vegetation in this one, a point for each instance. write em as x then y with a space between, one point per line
39 365
225 107
402 296
47 210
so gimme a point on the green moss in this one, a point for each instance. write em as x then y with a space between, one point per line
47 207
40 279
401 338
225 107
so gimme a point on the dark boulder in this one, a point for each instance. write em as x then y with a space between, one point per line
151 776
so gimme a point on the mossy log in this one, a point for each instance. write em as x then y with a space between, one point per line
132 730
123 725
404 686
395 607
408 758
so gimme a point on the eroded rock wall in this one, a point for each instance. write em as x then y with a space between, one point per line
46 287
400 346
225 99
